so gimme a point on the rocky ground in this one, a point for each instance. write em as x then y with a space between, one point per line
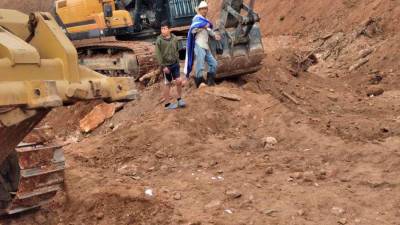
312 138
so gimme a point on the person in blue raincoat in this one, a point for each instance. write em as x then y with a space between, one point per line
198 47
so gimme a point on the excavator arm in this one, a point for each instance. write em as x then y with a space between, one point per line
231 17
242 47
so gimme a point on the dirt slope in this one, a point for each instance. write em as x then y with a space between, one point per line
27 6
328 93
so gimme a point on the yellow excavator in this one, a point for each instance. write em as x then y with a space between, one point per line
115 37
39 71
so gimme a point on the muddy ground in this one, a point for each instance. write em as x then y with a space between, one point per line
314 138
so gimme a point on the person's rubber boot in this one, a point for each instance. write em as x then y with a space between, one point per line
198 81
211 79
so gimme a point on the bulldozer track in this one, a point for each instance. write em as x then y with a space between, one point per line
144 52
30 177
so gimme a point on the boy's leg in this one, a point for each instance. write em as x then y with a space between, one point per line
212 68
175 70
200 54
167 91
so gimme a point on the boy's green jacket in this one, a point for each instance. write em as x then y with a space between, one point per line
167 50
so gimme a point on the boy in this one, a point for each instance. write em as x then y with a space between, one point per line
168 57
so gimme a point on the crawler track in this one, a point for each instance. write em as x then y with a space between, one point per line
30 177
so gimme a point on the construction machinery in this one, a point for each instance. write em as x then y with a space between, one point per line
116 37
39 71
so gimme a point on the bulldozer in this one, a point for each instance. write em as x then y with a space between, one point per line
116 37
40 71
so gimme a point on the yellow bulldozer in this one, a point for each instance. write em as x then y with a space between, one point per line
39 71
115 37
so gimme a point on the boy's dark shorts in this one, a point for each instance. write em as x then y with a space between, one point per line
174 74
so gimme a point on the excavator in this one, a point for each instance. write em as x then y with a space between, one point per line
40 71
115 37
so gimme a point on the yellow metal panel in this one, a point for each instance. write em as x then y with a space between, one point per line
15 22
86 15
52 43
17 50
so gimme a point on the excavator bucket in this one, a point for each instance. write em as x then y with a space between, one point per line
39 71
241 49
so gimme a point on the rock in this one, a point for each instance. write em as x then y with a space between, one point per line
321 175
333 97
40 135
269 170
227 96
375 79
342 221
111 126
213 204
365 52
40 218
128 170
160 154
99 215
236 146
164 190
97 116
269 142
308 176
337 211
270 212
358 64
177 196
374 91
149 192
233 194
204 165
202 85
119 106
195 223
301 212
296 175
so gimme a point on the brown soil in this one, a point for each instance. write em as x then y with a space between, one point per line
27 6
336 160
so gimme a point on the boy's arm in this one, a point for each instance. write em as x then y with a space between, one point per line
158 52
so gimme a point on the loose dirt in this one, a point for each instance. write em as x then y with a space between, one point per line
313 140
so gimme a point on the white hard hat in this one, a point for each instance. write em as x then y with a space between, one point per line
203 4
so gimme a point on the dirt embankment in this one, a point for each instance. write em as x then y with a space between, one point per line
28 6
313 140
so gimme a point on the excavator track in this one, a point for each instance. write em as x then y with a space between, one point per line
30 177
117 58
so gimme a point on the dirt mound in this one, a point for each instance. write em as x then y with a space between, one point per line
28 6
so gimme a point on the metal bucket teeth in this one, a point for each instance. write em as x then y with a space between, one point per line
41 175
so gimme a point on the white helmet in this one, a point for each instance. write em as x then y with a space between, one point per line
203 4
